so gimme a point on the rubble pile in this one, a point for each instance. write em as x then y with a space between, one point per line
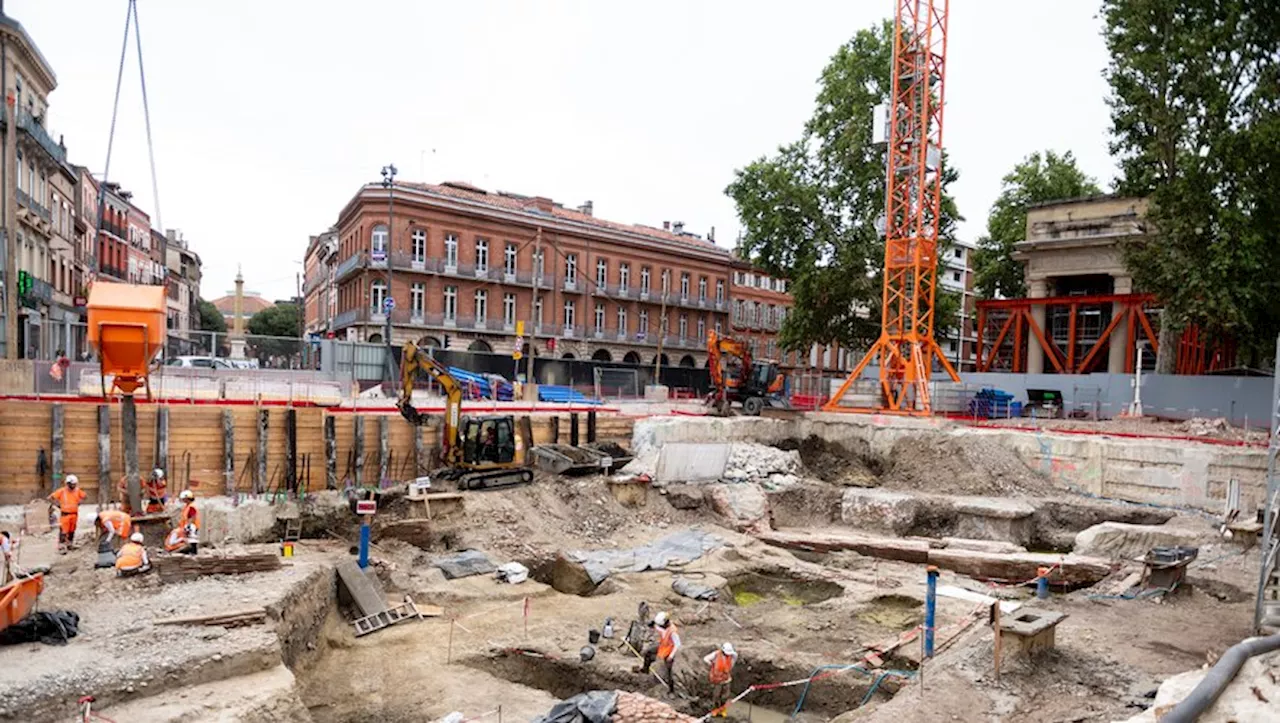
770 467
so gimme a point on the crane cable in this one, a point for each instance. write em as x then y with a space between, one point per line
130 18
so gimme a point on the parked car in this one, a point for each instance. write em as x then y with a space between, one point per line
199 362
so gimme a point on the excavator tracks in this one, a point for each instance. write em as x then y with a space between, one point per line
495 479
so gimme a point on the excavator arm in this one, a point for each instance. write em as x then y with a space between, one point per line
413 362
719 347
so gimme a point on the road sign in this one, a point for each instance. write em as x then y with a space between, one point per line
517 355
379 255
519 330
389 304
366 507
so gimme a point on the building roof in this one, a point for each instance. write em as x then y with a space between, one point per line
251 304
546 207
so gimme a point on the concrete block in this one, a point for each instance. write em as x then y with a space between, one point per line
1118 540
881 510
744 504
992 518
691 462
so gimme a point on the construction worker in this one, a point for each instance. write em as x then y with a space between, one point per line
68 498
185 538
721 661
132 558
155 493
114 527
7 546
663 650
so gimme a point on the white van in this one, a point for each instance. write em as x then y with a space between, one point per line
198 362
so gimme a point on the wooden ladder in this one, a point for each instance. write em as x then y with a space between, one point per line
406 610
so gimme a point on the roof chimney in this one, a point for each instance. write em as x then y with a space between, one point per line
588 208
678 227
666 225
711 235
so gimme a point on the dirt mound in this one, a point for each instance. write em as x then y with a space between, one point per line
847 466
969 465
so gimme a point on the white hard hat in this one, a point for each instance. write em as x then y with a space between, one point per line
73 480
136 537
727 648
157 473
187 495
660 619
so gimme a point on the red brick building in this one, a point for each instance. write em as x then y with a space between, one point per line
468 265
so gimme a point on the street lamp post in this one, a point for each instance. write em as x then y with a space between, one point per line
388 302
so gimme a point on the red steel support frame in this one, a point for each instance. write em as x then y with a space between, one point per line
1132 313
906 348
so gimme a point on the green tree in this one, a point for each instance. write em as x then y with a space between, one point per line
274 332
210 318
1195 111
809 211
1038 178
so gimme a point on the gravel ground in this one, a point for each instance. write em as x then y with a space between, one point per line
120 654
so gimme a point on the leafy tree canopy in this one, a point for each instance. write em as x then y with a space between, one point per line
1038 178
1195 111
210 318
809 211
278 320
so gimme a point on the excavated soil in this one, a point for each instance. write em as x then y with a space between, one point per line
971 465
851 465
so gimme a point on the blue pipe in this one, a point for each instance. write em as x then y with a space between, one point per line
930 609
1042 586
848 666
364 544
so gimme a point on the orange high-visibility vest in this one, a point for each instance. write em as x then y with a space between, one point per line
176 540
721 668
116 520
68 499
667 641
190 516
130 557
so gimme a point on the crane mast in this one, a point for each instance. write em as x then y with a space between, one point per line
906 347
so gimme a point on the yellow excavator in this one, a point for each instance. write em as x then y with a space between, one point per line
481 452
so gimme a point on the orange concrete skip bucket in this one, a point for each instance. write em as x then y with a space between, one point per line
127 328
18 599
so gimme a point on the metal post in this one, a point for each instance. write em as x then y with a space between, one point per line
364 541
1042 583
388 182
930 609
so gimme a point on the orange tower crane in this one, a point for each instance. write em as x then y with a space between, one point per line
906 348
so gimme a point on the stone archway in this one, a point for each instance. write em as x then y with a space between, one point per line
568 355
375 338
480 345
688 362
631 358
430 342
602 355
666 362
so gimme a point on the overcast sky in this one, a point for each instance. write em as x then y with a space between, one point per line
268 116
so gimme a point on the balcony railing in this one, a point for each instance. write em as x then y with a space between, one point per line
570 285
28 124
348 265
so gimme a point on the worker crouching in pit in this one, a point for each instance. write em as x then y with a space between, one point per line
155 493
114 527
185 538
132 558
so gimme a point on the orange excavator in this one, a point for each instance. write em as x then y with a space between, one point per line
736 377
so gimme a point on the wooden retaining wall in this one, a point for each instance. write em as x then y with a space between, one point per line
196 451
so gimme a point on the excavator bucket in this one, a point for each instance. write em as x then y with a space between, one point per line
411 413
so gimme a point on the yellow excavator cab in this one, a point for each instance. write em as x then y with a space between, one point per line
127 329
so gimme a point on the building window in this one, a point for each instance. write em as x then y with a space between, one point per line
482 304
737 278
599 316
377 296
684 286
737 310
764 282
958 253
571 268
539 263
419 246
955 275
602 274
377 239
684 325
509 309
643 327
482 255
568 313
537 312
782 286
666 281
509 260
624 276
622 320
451 251
417 293
450 303
20 188
644 279
719 290
702 289
702 327
717 328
